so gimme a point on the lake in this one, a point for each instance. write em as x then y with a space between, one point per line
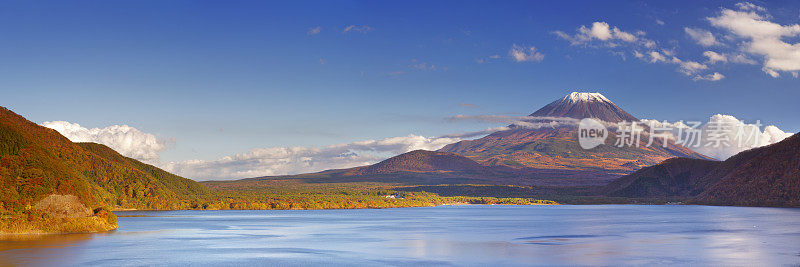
445 235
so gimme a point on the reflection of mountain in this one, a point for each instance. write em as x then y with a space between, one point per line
552 155
765 176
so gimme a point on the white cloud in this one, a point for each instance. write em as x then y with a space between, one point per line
742 59
746 34
487 131
600 31
614 38
357 28
124 139
689 67
703 37
716 76
714 57
293 160
627 37
423 66
638 54
395 74
487 59
656 57
314 30
738 135
525 54
528 122
509 119
762 37
749 6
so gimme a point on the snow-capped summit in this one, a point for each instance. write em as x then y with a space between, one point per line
579 96
581 105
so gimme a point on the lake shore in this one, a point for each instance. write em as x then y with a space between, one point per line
19 226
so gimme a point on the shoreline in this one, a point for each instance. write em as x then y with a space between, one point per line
376 208
471 204
6 236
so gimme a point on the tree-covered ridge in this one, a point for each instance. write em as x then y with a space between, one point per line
309 194
36 161
763 176
174 183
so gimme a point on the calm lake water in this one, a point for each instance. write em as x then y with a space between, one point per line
447 235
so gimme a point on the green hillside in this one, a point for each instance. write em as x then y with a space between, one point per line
36 162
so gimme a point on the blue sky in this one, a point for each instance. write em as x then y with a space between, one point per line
222 77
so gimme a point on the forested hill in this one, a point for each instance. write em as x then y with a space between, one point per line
36 162
763 176
176 184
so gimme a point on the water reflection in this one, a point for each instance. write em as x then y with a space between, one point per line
39 249
458 235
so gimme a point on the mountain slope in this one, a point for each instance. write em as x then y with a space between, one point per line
674 177
423 161
765 176
36 161
171 182
554 149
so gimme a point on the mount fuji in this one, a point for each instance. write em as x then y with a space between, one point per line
523 155
553 156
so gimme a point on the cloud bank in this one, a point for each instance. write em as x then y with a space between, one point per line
294 160
602 35
740 35
762 37
738 135
124 139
